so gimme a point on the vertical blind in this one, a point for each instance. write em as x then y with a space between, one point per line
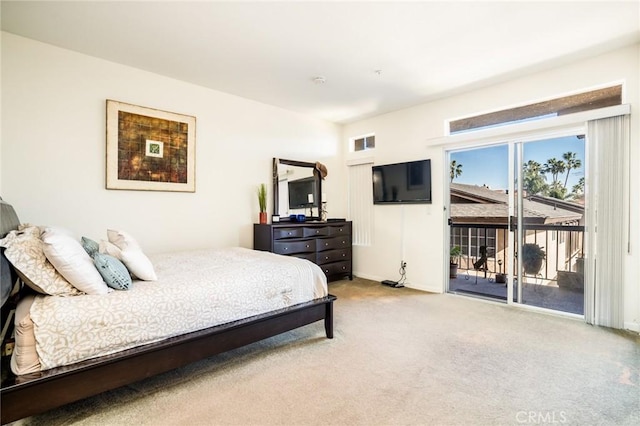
361 202
607 220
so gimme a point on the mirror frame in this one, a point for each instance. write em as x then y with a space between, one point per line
276 189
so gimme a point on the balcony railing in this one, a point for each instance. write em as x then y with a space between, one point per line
563 246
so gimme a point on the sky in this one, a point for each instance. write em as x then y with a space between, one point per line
489 166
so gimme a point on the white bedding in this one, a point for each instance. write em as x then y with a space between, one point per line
195 290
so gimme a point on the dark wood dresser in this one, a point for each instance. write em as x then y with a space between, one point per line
327 244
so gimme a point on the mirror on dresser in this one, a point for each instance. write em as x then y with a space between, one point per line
297 186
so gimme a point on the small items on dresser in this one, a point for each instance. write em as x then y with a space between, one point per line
262 202
297 218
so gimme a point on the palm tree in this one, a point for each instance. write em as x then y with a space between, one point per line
557 190
571 163
555 167
578 188
533 180
455 169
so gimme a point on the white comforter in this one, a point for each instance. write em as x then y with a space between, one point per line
195 290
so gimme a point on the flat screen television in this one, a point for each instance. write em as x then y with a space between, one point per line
299 191
402 183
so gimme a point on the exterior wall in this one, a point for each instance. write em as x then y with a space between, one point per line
53 151
416 234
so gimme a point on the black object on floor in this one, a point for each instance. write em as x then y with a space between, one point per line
394 284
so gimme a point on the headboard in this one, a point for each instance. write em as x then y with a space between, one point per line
8 222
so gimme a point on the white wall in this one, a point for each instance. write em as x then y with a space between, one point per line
53 150
52 161
407 135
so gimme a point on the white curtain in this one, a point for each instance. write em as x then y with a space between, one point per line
361 202
607 220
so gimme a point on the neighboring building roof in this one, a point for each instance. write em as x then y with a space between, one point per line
574 206
477 193
478 204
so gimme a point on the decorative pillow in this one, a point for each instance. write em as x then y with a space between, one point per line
25 251
69 258
90 246
111 249
132 256
114 273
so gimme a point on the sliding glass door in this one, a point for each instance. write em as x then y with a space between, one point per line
516 223
479 221
549 223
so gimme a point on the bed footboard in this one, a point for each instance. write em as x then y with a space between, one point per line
25 396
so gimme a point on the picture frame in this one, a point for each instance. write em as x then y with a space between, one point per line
149 149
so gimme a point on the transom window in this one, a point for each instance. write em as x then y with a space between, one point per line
585 101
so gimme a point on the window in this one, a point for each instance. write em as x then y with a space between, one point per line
470 239
586 101
363 143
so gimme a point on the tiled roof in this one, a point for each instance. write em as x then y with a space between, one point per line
479 191
479 210
494 204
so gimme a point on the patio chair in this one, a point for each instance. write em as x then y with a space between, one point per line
481 265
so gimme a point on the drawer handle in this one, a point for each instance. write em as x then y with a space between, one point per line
326 244
326 271
307 245
340 229
289 233
326 258
344 254
344 267
317 232
286 248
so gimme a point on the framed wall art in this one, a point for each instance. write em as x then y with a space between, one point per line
149 149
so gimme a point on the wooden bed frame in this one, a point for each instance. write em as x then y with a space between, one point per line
27 395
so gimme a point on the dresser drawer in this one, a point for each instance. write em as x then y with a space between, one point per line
329 256
336 268
340 230
291 247
316 231
309 256
282 233
327 244
333 243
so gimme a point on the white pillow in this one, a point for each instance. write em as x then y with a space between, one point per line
131 255
105 247
72 261
25 251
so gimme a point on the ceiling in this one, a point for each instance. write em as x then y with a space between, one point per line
376 57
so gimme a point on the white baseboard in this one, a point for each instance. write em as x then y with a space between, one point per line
423 288
632 326
415 286
369 277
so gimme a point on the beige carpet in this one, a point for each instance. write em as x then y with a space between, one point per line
399 356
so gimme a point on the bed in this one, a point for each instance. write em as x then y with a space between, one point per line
202 303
